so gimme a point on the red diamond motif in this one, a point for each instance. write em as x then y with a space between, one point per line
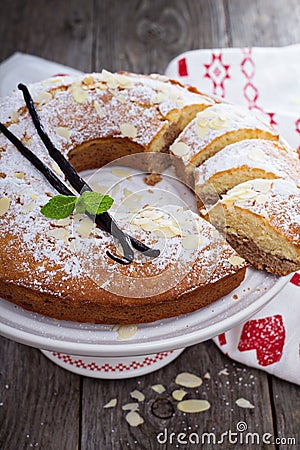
251 93
248 67
217 72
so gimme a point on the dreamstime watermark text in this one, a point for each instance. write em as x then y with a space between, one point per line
240 436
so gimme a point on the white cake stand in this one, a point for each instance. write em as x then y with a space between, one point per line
95 350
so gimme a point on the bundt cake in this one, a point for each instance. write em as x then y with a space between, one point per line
60 268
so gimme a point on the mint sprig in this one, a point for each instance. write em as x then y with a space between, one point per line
93 202
62 206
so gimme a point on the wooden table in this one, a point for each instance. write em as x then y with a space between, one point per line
45 407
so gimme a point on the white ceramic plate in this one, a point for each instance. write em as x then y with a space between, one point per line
100 340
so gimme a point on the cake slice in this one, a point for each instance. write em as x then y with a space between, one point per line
243 161
212 130
261 220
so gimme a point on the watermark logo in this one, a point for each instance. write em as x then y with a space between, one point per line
240 435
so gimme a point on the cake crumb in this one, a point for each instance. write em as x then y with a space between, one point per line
152 179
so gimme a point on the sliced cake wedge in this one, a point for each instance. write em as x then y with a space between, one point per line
213 129
243 161
261 220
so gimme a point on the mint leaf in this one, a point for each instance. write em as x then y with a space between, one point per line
59 207
94 203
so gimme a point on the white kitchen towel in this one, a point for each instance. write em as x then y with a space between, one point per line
265 80
255 77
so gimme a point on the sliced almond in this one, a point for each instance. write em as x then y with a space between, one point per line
63 222
191 241
121 98
124 81
207 376
217 124
193 406
56 169
256 155
159 388
111 404
243 403
130 407
180 148
202 131
19 175
261 199
189 380
159 97
127 331
138 395
236 260
99 109
63 132
42 97
178 394
58 233
128 130
14 116
85 227
28 207
4 205
78 93
149 226
134 419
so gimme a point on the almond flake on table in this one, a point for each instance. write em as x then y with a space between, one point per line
189 380
207 376
134 419
130 407
111 404
138 395
223 372
126 331
193 406
178 394
243 403
159 388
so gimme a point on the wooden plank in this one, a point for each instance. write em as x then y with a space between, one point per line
108 429
286 410
59 31
39 402
263 22
143 36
